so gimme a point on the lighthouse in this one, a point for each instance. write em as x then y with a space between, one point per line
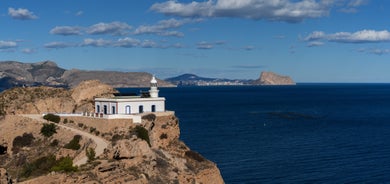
153 88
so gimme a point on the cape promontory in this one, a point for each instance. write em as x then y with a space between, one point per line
271 78
137 153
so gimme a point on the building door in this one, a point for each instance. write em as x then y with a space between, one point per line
128 109
141 109
153 108
98 109
105 109
113 110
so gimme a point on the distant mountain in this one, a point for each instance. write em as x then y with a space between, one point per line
194 80
271 78
47 73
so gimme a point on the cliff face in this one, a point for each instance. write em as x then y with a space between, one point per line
270 78
47 73
150 152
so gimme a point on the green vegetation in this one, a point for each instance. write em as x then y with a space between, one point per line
22 141
48 129
74 143
142 133
38 167
52 117
54 143
92 129
115 138
65 121
64 164
44 165
90 153
163 136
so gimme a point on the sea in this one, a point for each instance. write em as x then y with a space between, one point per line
307 133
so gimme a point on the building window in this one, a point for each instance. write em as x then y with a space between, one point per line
141 109
153 108
105 109
113 110
128 109
98 109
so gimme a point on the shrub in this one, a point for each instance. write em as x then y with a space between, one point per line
142 133
48 129
54 143
65 121
52 117
24 140
92 129
64 164
97 133
3 150
39 167
90 153
74 143
80 125
116 137
71 121
164 136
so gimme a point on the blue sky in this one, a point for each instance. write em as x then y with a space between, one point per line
309 40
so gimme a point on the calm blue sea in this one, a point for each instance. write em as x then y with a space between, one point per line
309 133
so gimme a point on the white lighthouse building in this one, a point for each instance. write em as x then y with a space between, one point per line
122 105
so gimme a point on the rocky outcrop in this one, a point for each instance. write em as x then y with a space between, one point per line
270 78
38 100
156 155
47 73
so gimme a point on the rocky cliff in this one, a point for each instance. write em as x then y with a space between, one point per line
150 152
270 78
47 73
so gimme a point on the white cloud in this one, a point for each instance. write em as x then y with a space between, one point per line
193 9
352 5
96 42
315 44
58 45
149 44
363 36
162 27
375 51
66 30
205 45
79 13
273 10
7 44
357 3
127 42
316 35
28 51
113 28
21 14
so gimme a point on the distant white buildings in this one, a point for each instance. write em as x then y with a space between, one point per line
121 106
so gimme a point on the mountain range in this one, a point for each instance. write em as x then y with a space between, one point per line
47 73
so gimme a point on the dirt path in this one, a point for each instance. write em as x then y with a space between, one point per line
101 143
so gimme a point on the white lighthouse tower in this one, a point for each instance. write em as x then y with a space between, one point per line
153 88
